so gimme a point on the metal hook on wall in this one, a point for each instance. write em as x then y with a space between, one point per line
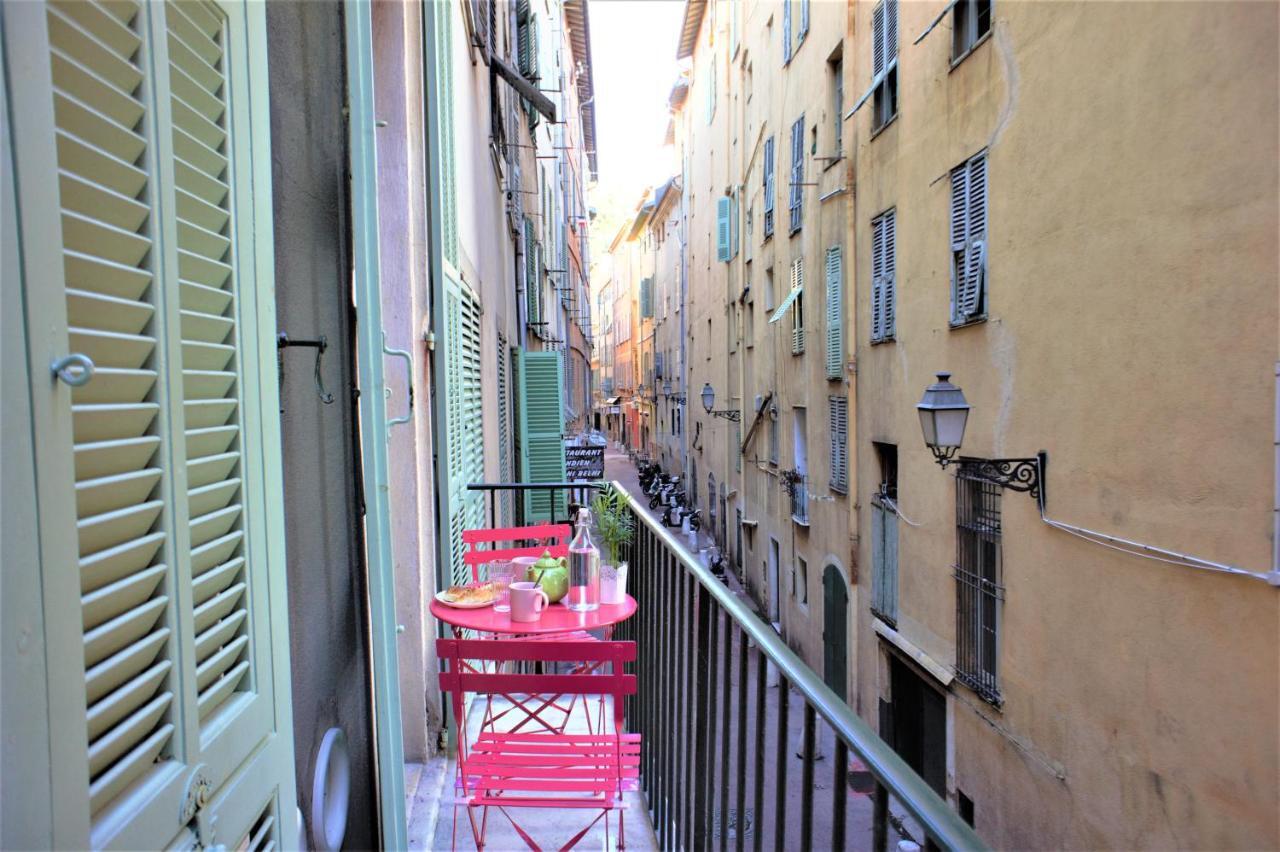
283 341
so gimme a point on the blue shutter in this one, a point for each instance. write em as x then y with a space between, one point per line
723 206
786 31
797 174
768 187
804 20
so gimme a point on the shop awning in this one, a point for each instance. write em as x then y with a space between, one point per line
786 303
613 400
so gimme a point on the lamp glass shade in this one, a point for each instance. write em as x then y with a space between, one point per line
943 414
708 397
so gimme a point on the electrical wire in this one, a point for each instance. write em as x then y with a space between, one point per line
893 507
1157 554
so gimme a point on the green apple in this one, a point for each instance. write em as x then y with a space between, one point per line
551 574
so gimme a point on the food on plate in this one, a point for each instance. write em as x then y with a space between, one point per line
474 594
551 574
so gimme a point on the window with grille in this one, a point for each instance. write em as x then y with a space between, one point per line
768 189
796 195
971 21
979 583
883 276
969 241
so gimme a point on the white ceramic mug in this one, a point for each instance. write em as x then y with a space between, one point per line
527 601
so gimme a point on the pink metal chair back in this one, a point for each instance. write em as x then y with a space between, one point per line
538 769
550 537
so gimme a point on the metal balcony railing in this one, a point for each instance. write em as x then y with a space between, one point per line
717 736
703 707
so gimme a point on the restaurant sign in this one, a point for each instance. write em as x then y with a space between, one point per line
583 464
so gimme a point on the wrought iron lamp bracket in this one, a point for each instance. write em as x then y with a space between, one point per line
728 414
1026 475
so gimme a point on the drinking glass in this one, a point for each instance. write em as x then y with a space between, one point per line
502 574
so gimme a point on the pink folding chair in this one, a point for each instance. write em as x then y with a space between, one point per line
509 770
552 538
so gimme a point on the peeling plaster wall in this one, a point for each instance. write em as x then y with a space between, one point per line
1133 185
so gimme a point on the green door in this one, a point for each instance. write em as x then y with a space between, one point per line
142 165
835 631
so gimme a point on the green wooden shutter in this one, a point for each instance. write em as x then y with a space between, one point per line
464 417
835 314
646 298
162 472
444 111
504 518
884 561
541 427
767 228
532 278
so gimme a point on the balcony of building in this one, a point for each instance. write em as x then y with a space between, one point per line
744 746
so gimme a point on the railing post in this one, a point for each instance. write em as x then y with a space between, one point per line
706 637
690 721
726 651
880 819
762 678
780 778
840 794
741 819
806 780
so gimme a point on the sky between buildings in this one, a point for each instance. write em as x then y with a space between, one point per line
633 53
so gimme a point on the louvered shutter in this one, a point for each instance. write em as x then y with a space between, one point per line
838 427
797 310
877 280
541 425
975 260
768 187
504 430
835 314
890 31
463 420
723 207
888 284
164 280
884 561
804 20
797 173
532 279
444 109
786 31
877 39
963 298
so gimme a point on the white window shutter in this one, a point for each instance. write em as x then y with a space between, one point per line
962 299
835 314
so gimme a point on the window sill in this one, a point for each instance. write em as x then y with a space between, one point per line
800 522
833 162
881 129
877 341
795 231
973 47
979 320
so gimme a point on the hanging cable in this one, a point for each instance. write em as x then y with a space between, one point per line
893 507
1157 554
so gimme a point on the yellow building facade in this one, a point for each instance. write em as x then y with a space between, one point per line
1072 209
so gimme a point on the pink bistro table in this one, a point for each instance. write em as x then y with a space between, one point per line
557 621
556 618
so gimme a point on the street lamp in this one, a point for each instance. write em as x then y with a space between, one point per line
709 402
944 412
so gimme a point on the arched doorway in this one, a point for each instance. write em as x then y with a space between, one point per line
835 631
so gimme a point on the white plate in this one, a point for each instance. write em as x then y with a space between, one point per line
443 598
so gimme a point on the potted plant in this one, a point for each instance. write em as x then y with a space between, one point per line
615 527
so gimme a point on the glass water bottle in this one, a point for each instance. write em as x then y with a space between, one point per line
584 568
